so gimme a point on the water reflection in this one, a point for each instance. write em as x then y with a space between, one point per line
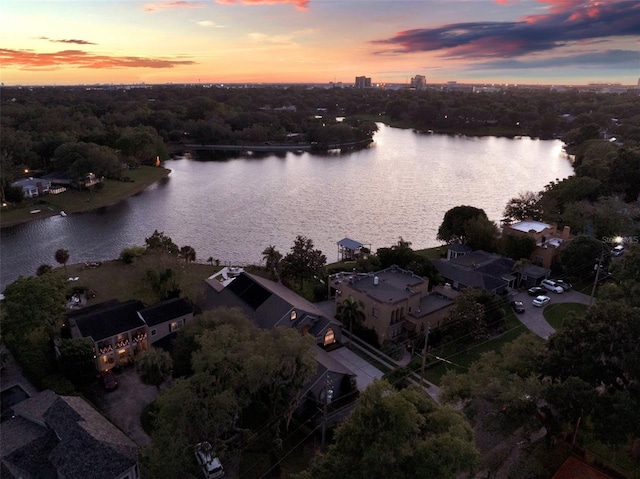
232 209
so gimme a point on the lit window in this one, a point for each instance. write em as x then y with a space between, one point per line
329 337
174 326
294 315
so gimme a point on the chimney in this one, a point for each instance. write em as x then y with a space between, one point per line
566 231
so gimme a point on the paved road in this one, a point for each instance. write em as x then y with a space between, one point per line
533 317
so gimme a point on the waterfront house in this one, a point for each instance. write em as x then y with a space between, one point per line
32 187
549 240
119 331
397 303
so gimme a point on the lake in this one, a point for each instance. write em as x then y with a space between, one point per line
401 186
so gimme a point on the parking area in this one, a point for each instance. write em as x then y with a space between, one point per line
533 318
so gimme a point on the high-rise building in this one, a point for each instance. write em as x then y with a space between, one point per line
419 82
363 82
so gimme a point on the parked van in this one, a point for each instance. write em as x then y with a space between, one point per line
211 466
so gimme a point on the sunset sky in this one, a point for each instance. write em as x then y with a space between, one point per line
44 42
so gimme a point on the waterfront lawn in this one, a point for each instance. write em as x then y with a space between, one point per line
555 314
76 201
116 280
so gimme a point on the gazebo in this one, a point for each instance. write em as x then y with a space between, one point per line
349 250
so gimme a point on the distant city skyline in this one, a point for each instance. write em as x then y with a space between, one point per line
561 42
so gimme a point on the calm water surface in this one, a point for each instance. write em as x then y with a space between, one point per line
231 210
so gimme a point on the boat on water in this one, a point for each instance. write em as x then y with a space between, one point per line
62 213
34 211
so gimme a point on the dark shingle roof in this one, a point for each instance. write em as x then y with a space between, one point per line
63 436
165 311
251 293
110 321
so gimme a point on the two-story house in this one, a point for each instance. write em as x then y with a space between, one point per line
389 296
119 331
549 240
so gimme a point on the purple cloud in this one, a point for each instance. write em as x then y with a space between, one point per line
536 33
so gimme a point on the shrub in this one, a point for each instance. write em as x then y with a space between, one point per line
127 255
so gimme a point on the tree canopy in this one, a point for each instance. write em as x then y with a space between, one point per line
303 261
456 222
398 434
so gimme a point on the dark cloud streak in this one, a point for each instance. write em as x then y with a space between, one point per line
620 59
537 33
74 41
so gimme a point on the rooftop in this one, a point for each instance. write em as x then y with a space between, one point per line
527 226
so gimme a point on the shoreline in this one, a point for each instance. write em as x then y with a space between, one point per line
48 211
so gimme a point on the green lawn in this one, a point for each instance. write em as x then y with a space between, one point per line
75 201
555 314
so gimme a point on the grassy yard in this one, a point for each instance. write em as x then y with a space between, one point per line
115 279
555 314
75 201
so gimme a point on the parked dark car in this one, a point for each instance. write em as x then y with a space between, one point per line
109 380
517 306
536 291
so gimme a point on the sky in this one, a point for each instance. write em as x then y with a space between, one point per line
72 42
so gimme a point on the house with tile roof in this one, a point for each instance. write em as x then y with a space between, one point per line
52 436
119 331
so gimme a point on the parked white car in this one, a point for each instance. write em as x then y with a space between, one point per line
211 466
541 301
551 285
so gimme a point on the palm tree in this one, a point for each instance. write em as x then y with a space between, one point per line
272 259
519 267
154 366
352 311
62 256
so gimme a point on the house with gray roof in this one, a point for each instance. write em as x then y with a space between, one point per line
119 331
270 304
52 436
478 269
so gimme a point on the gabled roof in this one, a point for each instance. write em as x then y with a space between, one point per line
110 321
166 311
63 436
269 304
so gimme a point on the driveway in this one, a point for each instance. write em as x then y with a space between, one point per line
124 404
533 317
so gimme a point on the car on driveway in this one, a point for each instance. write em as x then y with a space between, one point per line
551 285
517 306
541 301
536 291
109 380
564 284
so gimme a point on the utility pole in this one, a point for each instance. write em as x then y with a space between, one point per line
595 281
424 355
328 394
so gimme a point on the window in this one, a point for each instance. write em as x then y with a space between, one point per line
153 332
174 326
375 313
329 337
293 315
